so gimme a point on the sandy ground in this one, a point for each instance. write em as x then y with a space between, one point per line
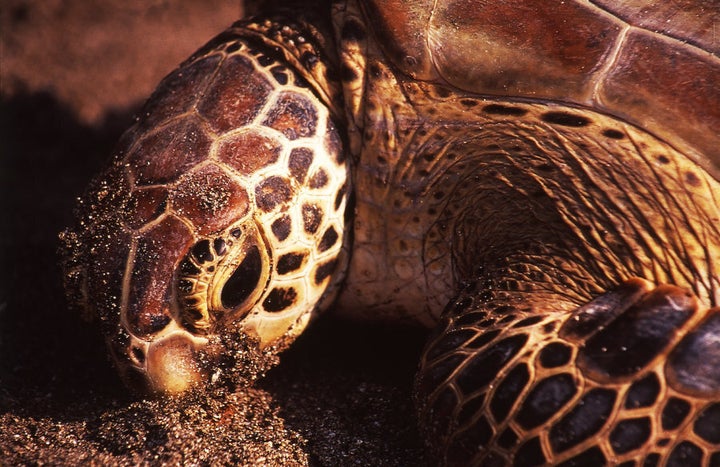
72 74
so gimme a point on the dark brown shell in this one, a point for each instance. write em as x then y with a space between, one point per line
654 64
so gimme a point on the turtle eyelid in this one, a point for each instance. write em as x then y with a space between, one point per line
243 281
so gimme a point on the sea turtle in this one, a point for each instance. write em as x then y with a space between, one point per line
537 181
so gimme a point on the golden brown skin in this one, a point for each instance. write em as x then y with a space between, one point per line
539 182
531 209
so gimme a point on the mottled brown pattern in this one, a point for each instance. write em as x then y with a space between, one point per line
249 151
294 116
312 216
210 199
179 92
282 228
236 95
272 192
165 155
300 160
145 205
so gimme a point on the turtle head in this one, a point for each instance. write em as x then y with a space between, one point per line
226 273
217 232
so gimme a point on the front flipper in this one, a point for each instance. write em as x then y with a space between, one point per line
634 375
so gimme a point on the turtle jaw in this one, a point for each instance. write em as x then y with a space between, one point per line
179 361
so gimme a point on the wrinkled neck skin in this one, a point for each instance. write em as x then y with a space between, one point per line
551 210
539 199
524 205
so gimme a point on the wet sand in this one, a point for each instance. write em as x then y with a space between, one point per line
73 74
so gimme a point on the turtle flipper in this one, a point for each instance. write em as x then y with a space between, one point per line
632 375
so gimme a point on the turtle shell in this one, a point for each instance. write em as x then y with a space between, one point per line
653 64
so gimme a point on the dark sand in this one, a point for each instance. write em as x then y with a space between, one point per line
73 73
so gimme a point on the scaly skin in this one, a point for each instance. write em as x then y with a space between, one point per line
630 377
534 232
525 212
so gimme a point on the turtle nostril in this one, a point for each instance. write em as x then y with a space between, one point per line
138 355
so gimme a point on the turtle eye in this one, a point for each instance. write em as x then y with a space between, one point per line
221 278
243 281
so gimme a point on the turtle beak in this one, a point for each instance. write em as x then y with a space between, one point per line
173 364
170 364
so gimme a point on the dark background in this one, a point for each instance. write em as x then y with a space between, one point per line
72 75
